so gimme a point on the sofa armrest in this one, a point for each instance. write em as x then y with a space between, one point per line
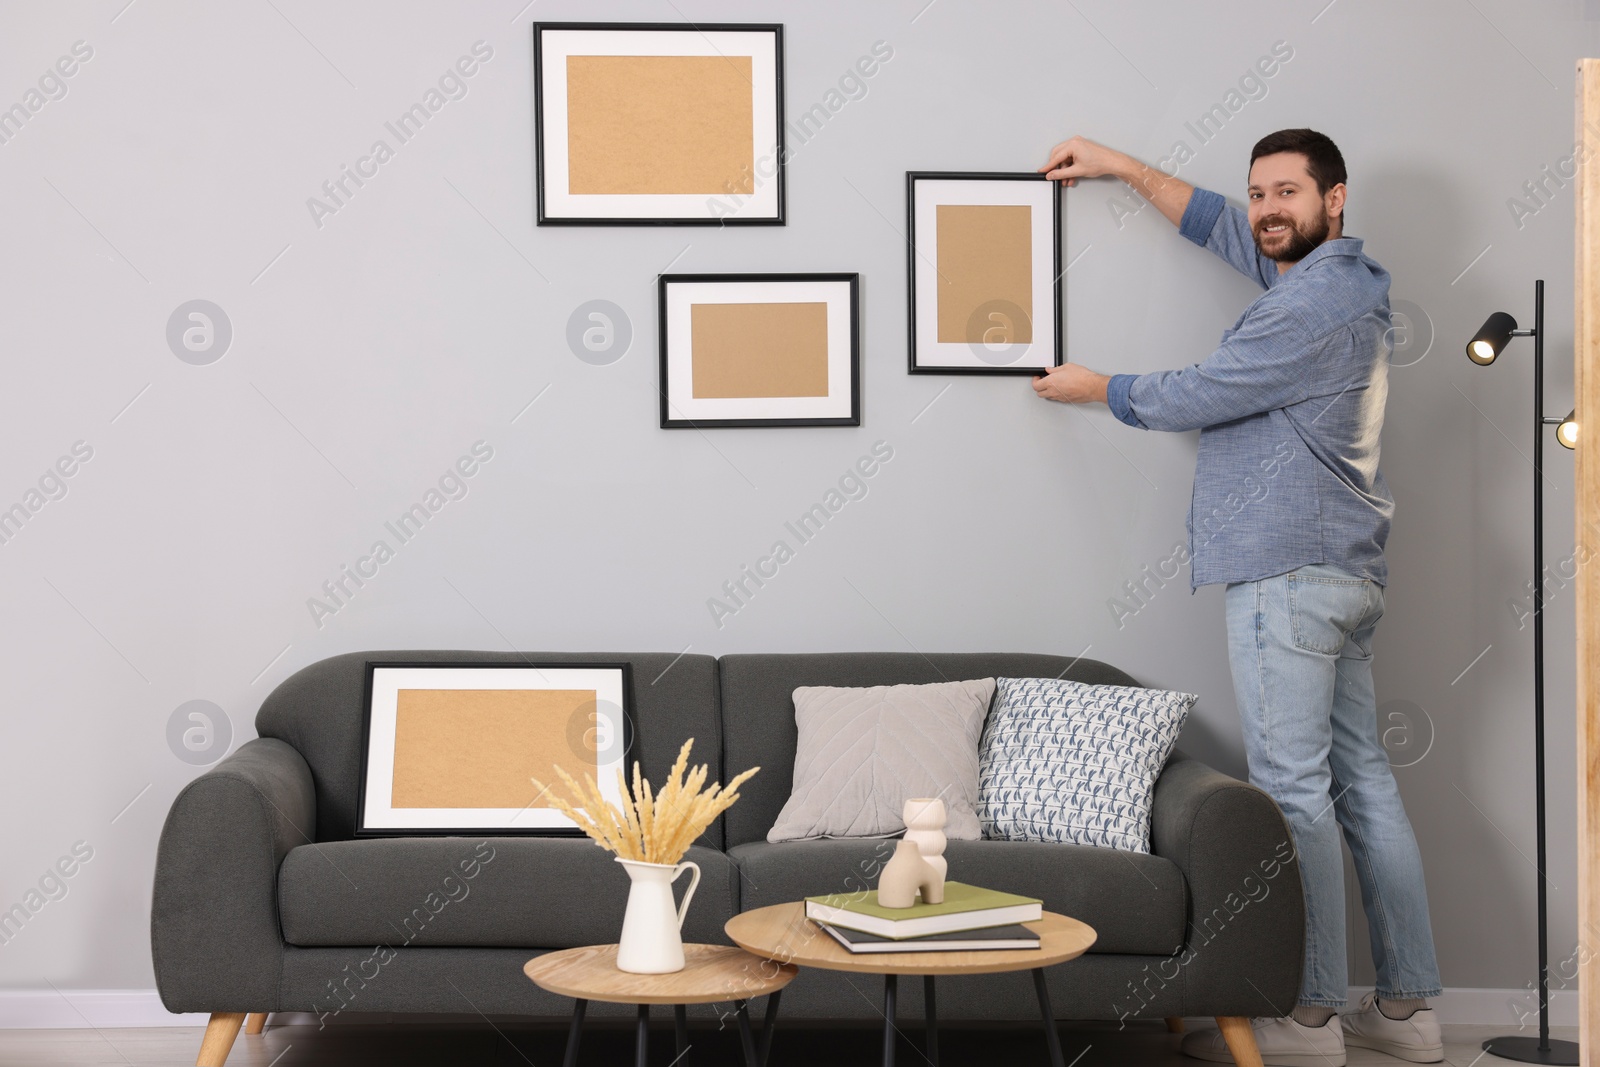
1245 934
214 930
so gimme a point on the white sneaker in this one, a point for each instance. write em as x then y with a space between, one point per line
1283 1043
1416 1039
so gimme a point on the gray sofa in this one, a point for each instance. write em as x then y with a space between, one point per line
264 901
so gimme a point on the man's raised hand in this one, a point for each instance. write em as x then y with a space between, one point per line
1079 157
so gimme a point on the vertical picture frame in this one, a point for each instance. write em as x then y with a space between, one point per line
669 124
983 273
750 350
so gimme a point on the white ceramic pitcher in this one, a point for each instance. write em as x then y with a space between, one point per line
651 942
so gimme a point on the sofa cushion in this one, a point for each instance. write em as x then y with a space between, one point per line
319 710
864 751
1075 764
758 707
504 892
1137 903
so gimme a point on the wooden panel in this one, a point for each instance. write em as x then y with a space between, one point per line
1586 390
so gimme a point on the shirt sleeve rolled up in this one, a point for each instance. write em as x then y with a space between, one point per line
1222 229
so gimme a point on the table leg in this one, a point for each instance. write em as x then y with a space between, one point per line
767 1023
1053 1038
932 1012
574 1033
890 987
680 1024
641 1048
746 1040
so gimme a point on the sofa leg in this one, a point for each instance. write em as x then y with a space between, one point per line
1174 1024
1241 1039
220 1032
255 1022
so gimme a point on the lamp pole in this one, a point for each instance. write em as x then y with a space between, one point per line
1538 652
1522 1048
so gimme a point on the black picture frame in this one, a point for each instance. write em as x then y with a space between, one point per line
672 421
1058 305
543 217
362 830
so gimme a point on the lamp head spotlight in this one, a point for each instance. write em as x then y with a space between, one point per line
1567 430
1491 338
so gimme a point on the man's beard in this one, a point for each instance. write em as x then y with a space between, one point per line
1299 241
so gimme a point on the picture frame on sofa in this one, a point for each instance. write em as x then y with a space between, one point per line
453 748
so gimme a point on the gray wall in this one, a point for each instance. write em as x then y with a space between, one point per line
370 352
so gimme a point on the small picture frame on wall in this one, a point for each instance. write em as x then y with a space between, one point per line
760 350
983 275
452 748
658 123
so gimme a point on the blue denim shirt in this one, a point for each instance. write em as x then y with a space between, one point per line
1289 408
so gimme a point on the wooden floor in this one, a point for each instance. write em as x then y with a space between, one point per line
514 1044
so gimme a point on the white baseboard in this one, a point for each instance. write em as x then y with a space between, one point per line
112 1008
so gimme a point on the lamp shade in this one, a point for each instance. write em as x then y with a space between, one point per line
1567 431
1491 338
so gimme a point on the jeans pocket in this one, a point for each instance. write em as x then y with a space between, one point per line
1323 611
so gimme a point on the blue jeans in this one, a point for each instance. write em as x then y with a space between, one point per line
1300 646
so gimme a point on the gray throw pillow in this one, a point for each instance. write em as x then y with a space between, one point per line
863 752
1073 763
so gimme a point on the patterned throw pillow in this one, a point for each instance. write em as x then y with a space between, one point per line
1073 763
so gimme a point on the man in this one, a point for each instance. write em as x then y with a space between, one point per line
1291 512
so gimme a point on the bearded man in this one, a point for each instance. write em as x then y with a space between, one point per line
1291 512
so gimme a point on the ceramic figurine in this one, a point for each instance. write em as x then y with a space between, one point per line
925 818
905 875
918 864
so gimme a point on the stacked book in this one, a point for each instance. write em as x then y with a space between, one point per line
969 919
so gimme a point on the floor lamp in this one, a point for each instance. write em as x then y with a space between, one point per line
1485 345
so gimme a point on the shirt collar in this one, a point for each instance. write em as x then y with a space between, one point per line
1339 246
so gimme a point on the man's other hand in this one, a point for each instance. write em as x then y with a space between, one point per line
1071 383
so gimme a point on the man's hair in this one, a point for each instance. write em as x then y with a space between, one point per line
1323 160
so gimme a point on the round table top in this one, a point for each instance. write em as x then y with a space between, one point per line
710 973
782 932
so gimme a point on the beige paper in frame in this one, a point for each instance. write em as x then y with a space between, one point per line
759 350
562 200
660 125
411 706
984 259
481 748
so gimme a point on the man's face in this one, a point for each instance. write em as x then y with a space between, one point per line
1287 215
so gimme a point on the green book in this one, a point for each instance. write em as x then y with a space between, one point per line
965 907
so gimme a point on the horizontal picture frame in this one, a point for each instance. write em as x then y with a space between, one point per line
983 273
670 124
751 350
452 748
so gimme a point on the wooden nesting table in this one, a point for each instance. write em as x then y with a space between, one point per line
782 934
711 973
